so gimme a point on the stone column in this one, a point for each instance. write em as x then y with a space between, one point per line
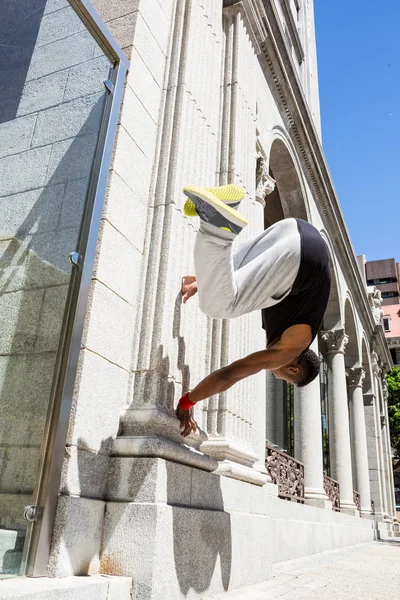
371 426
308 440
355 379
387 452
391 478
378 396
339 432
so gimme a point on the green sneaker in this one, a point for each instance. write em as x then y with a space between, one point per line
216 206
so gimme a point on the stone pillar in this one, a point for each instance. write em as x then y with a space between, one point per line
371 425
387 452
339 432
308 440
355 379
378 396
391 478
238 440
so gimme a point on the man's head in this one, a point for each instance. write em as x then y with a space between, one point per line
300 371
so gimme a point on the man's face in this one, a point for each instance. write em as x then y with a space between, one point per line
288 372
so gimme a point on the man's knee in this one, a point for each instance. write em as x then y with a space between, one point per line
216 309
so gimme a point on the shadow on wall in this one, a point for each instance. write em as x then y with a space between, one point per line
19 28
165 524
201 536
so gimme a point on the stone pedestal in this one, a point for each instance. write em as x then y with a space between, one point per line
355 379
339 433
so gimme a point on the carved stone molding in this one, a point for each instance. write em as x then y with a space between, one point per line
264 182
335 340
355 377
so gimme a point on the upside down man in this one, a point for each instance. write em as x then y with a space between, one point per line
284 272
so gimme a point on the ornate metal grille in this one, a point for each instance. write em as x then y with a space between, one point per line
287 473
332 490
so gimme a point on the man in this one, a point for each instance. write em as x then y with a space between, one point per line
284 272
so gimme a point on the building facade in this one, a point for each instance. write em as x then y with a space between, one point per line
99 135
382 277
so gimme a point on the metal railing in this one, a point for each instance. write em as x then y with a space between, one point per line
332 490
287 472
357 500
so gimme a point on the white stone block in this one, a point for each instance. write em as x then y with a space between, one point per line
144 85
51 319
76 541
30 212
23 171
87 78
132 165
73 204
84 473
58 25
112 10
118 263
20 313
53 5
12 511
158 22
20 469
138 123
61 54
16 135
150 52
230 550
100 587
25 384
123 29
126 211
71 159
101 394
137 479
70 119
26 269
109 325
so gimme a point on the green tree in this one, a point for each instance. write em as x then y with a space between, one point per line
393 384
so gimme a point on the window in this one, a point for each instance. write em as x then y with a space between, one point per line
386 323
382 281
390 294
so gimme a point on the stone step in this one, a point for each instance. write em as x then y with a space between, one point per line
94 587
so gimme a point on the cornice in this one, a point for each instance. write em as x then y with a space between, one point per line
279 68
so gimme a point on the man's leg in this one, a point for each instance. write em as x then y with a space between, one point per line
259 274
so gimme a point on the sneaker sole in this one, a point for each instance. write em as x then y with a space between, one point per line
220 206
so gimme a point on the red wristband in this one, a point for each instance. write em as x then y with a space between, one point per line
185 403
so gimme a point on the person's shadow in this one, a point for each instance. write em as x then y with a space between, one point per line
201 532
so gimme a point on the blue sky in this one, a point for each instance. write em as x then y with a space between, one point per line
358 45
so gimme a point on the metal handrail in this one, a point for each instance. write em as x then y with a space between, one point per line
332 490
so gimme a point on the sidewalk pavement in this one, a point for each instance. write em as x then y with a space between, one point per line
368 571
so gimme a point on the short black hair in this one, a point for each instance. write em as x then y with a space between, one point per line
309 364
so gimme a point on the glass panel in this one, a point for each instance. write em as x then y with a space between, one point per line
51 110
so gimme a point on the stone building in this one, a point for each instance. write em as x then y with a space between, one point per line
98 136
